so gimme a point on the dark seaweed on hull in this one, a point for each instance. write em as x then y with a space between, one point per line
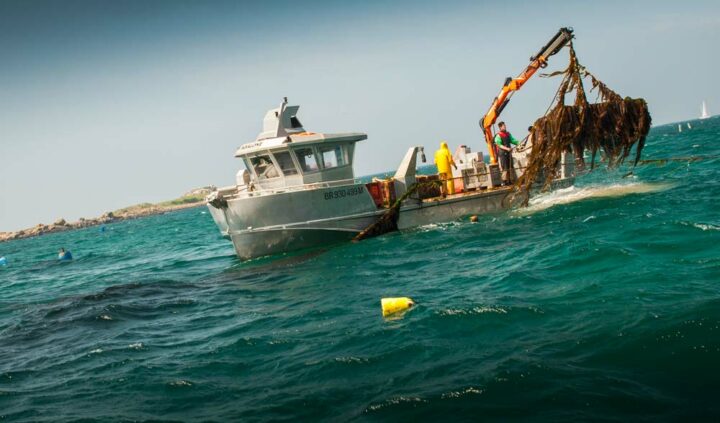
613 126
388 221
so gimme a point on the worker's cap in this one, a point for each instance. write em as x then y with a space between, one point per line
443 144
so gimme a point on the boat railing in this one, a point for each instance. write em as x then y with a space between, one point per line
245 192
470 182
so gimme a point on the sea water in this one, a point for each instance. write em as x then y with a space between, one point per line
597 302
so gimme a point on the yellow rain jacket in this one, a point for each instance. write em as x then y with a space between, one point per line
443 161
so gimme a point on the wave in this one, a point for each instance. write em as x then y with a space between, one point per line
180 383
478 310
395 401
467 391
471 311
352 360
702 226
574 193
137 346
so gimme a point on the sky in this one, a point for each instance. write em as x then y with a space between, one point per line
105 104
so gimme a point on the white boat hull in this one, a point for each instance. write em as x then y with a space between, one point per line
274 241
270 224
452 208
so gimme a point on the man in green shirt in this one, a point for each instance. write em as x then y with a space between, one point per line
505 141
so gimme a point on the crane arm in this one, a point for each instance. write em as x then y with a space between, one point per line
560 40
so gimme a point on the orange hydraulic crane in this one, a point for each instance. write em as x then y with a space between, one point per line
560 40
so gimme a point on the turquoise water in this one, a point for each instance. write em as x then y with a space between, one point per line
600 302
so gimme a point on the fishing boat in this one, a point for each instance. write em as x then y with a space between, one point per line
298 189
704 114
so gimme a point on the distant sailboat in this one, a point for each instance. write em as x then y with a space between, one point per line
704 114
689 127
679 127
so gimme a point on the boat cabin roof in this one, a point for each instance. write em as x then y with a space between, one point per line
285 154
297 140
282 129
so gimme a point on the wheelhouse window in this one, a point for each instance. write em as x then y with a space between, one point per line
333 156
306 158
286 163
264 167
247 164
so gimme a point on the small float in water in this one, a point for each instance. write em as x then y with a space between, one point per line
64 255
396 305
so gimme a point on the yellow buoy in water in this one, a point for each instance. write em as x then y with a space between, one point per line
396 305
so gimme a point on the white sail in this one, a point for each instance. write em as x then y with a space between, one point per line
704 114
679 127
689 127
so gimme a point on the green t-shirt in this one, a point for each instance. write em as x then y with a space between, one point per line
498 140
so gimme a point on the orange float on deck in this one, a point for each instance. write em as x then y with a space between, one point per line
375 192
459 185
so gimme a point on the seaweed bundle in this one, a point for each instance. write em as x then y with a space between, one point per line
388 221
613 125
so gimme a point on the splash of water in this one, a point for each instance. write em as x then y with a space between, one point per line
572 194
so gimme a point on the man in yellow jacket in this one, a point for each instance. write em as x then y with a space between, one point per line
443 161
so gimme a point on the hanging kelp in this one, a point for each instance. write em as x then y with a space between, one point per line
612 125
388 221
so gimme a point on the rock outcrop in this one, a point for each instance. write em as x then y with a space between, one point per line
133 212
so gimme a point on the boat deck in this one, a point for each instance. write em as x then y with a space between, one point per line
469 193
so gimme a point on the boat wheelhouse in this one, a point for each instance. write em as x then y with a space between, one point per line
288 156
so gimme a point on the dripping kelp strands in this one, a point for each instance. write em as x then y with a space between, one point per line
612 125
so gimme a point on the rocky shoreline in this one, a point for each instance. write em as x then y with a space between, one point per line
194 199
